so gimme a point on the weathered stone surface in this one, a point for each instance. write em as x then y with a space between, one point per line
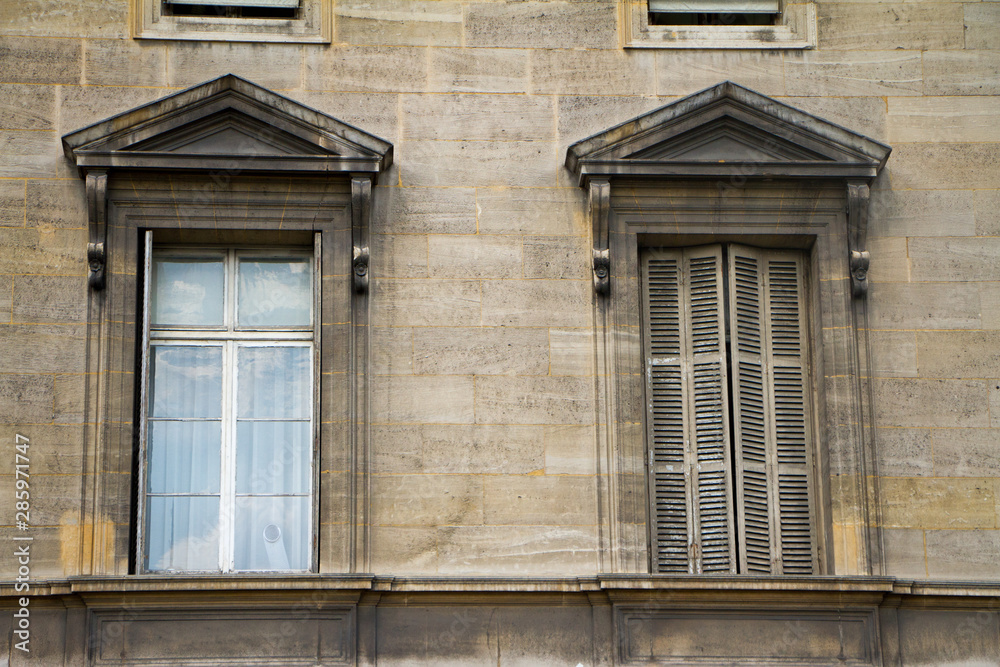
24 153
127 63
424 210
894 353
573 72
439 303
560 500
379 69
427 500
534 400
392 351
483 450
921 213
12 203
534 303
931 403
904 553
49 299
26 399
187 62
890 262
399 255
982 25
24 107
479 70
571 352
478 163
966 452
57 204
955 259
51 18
682 71
874 26
987 207
868 73
43 348
959 354
518 550
397 448
569 450
963 554
440 399
481 351
864 115
944 119
375 113
6 298
38 60
923 305
989 300
961 72
958 503
400 550
946 637
994 390
550 211
541 25
904 452
399 22
556 257
84 105
479 257
480 116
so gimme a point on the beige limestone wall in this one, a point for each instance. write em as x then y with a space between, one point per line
483 398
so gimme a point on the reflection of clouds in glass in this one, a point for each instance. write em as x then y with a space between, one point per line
275 293
188 292
187 381
192 553
274 382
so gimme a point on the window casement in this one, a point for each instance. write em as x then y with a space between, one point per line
302 21
228 339
719 24
730 267
729 431
226 469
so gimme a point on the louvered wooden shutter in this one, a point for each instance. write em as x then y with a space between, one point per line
686 411
774 486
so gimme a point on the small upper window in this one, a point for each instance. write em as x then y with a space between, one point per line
233 20
720 24
713 12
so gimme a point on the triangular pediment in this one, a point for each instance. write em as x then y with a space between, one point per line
723 131
227 123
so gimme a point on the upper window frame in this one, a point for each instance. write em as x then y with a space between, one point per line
314 25
794 29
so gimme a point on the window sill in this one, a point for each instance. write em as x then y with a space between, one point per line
314 27
797 31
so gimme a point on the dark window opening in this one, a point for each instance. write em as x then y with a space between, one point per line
229 11
711 18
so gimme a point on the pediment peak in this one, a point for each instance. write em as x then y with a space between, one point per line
729 126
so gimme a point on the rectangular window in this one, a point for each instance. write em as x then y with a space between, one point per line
728 427
713 12
227 460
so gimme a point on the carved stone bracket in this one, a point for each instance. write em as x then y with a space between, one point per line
600 199
97 209
361 206
858 196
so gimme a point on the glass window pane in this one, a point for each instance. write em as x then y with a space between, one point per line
186 381
275 292
184 457
182 533
274 383
272 533
187 292
273 457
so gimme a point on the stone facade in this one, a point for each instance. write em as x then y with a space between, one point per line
472 508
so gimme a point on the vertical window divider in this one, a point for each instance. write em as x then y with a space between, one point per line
140 531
